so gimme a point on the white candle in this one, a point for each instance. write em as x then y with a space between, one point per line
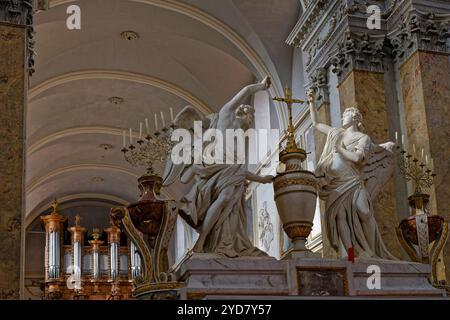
156 122
171 114
147 128
414 149
396 137
131 136
422 155
124 138
426 159
140 130
403 139
162 119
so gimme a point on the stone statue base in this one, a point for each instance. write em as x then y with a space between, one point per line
207 276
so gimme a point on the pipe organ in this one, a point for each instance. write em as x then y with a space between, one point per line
101 265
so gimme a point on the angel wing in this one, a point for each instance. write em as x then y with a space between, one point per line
379 167
186 117
185 120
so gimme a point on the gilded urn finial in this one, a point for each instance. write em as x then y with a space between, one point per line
96 233
54 206
77 220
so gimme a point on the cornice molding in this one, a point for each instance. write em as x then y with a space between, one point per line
309 21
336 33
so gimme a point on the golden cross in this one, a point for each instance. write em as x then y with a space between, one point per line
289 101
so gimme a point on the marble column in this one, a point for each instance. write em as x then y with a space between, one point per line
425 82
422 58
365 90
14 53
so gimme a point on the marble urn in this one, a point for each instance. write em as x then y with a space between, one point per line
295 197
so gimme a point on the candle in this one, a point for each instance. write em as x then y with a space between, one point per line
403 139
131 136
414 150
396 137
171 114
124 139
147 128
156 122
162 119
422 155
140 130
426 159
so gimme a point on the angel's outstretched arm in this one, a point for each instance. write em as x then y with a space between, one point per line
256 178
242 95
314 118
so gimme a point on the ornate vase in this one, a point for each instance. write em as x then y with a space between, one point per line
423 235
295 197
149 223
148 213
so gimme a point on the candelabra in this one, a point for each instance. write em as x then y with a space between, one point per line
422 229
149 223
149 149
416 170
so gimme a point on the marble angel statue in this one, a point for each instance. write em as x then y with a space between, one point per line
215 205
352 170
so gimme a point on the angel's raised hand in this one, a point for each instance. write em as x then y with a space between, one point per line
267 82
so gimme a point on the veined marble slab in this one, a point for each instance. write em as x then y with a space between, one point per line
208 276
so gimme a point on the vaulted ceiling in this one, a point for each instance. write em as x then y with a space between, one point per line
197 52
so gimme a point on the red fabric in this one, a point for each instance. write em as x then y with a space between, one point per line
351 255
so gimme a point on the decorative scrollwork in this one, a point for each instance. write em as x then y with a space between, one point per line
437 249
408 247
301 181
121 218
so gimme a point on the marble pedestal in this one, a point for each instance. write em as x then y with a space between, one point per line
209 276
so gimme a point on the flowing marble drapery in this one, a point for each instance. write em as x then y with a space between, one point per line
344 182
218 196
215 206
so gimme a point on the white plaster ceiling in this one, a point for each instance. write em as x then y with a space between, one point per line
189 52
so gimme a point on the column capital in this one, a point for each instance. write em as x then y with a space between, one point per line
20 13
319 82
361 52
424 31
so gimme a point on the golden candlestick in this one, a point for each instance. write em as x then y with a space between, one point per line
291 146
